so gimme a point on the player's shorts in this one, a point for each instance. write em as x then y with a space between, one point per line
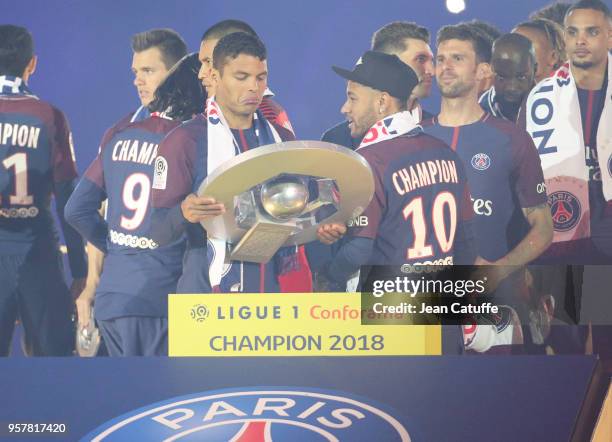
32 289
135 336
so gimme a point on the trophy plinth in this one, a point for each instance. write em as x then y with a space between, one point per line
261 242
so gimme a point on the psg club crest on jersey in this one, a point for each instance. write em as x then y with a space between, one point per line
481 161
565 209
256 415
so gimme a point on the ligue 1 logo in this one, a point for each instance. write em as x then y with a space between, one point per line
199 313
256 415
161 165
160 174
481 161
565 209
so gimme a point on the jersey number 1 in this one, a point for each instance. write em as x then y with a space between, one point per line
18 161
420 248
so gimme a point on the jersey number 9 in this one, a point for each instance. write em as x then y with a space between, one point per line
136 192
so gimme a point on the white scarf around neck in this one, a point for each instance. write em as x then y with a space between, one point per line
390 127
554 122
222 147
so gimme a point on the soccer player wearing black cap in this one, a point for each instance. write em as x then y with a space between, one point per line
421 209
410 42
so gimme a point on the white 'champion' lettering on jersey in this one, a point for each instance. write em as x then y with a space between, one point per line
135 151
20 135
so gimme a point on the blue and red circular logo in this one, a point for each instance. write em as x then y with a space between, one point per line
213 113
565 210
256 415
481 161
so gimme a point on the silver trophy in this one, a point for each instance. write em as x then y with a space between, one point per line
278 195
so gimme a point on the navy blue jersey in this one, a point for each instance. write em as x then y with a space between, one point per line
421 201
138 274
591 107
489 102
505 175
36 161
35 154
184 152
124 170
140 114
341 134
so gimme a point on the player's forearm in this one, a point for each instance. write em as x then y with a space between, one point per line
74 241
95 260
353 254
167 225
535 242
318 254
82 213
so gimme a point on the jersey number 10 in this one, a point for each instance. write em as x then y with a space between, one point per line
420 247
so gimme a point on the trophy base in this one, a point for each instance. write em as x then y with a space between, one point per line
261 242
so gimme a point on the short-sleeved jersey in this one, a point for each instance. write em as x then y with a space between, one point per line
124 170
421 198
505 175
137 275
186 172
35 154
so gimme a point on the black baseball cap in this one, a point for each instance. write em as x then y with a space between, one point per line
384 72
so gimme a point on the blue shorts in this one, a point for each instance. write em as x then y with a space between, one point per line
135 336
32 289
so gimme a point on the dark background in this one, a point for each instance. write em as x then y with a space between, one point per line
85 56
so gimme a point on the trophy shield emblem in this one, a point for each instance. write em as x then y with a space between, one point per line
278 195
